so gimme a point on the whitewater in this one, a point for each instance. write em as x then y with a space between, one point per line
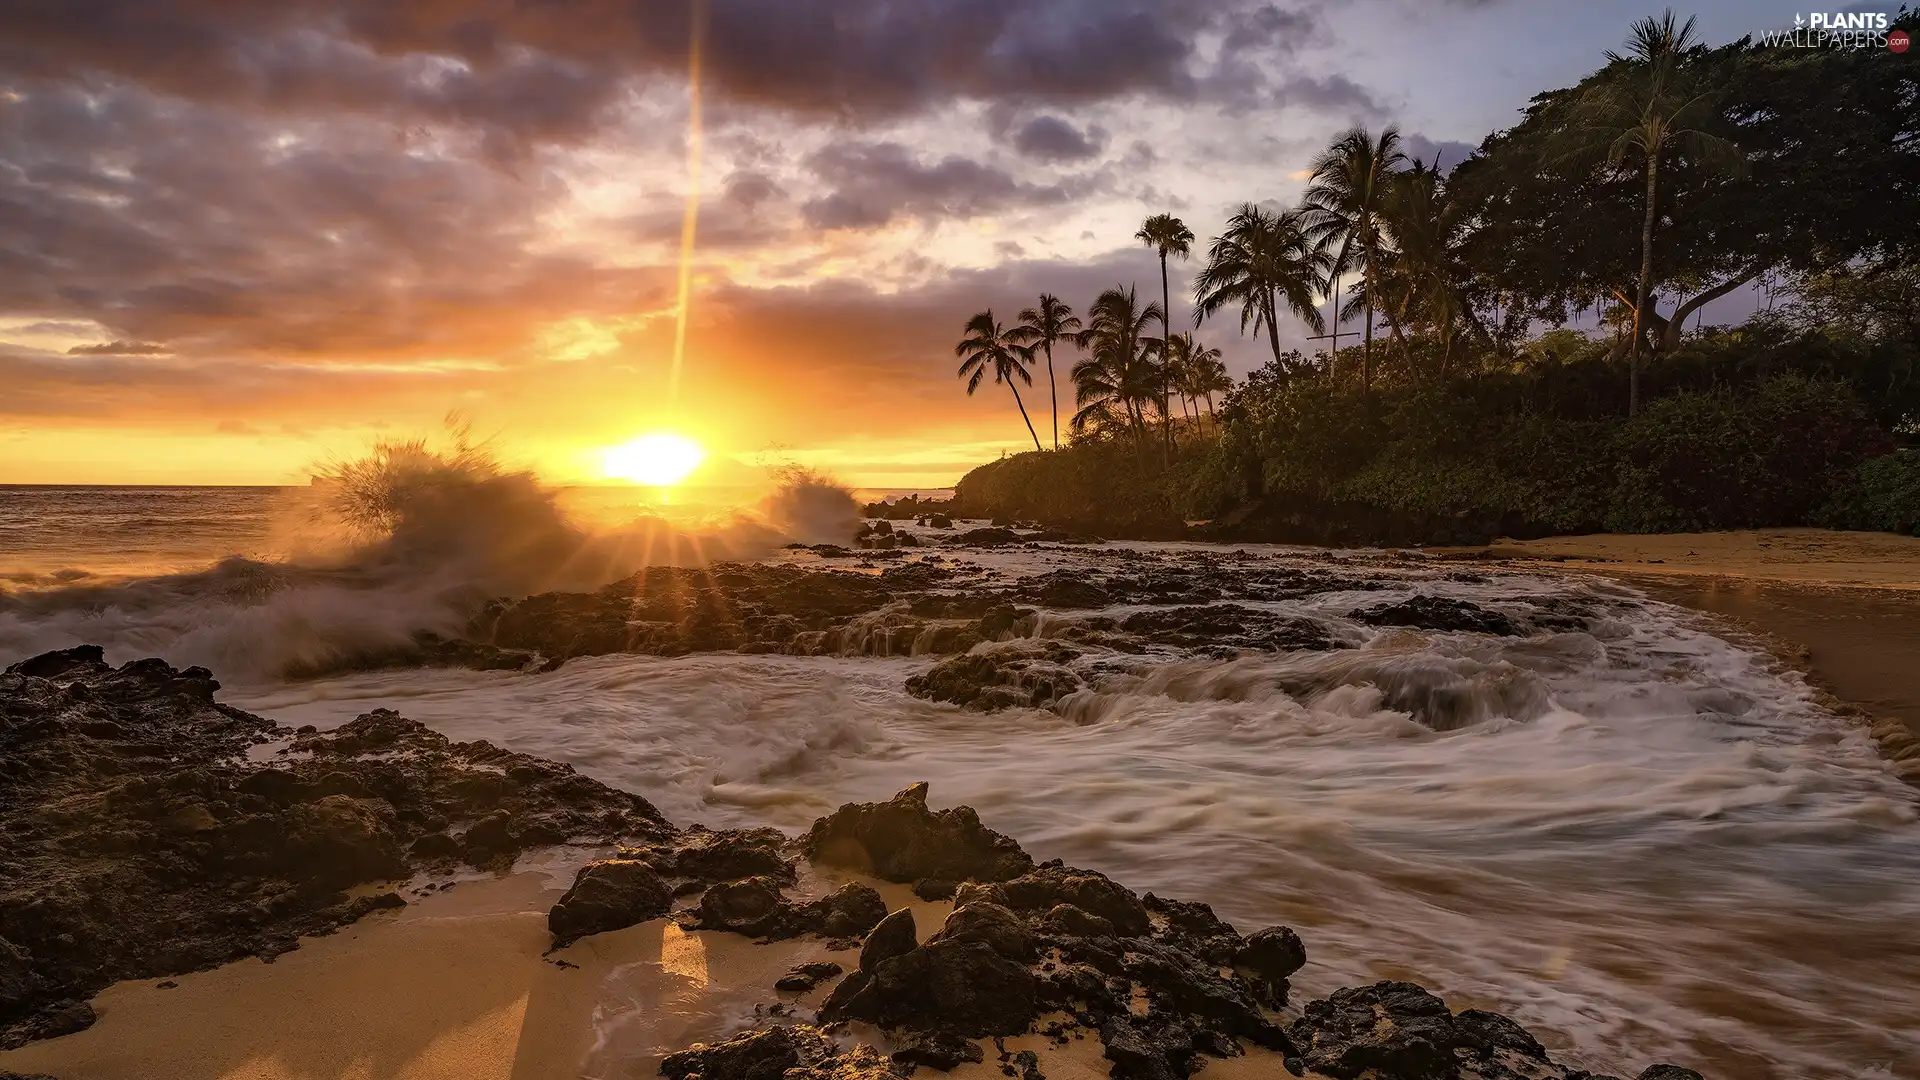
1645 839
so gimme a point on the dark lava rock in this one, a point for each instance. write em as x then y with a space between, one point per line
1064 589
609 895
1033 676
934 888
939 521
1439 613
138 841
1268 958
937 1050
732 854
780 1053
850 911
1669 1072
993 926
1229 626
961 987
753 907
1040 890
901 840
895 935
1399 1031
805 977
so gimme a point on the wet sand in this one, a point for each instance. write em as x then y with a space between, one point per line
1842 607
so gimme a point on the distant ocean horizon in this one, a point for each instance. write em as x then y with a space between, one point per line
55 532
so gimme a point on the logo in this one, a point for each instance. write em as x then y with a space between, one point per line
1898 41
1837 30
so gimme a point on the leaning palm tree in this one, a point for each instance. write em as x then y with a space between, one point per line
1652 105
1261 260
1040 326
1117 376
1424 280
1343 198
1167 235
1206 375
988 347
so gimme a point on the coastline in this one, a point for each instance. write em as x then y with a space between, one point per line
1842 608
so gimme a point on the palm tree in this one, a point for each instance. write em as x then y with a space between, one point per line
1261 259
1344 193
1648 107
988 347
1118 373
1424 279
1208 376
1167 235
1050 321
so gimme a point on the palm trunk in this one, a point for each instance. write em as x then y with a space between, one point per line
1022 406
1273 327
1166 349
1333 358
1366 352
1053 393
1646 282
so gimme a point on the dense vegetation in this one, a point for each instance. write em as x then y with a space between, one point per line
1460 407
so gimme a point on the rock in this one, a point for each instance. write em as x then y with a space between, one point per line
894 936
753 907
937 1050
901 840
1269 957
1042 889
961 987
993 926
732 854
805 977
934 889
1024 675
1139 1052
755 1055
1669 1072
852 910
18 984
608 895
1073 922
90 659
1399 1031
1439 613
939 521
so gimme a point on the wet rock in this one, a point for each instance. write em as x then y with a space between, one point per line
1141 1050
901 840
141 841
1229 626
1033 675
894 936
1065 919
1269 957
754 1055
1669 1072
852 910
1042 889
753 907
1399 1031
961 987
732 854
993 926
608 895
1064 589
939 521
1439 613
937 1050
805 977
934 889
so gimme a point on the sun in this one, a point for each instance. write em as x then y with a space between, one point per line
657 460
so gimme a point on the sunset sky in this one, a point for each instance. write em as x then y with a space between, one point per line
237 237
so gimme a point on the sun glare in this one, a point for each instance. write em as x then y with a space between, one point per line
657 460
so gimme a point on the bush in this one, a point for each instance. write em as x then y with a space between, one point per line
1883 495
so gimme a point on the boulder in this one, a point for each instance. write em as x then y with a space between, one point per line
1439 613
608 895
805 977
732 854
753 907
993 926
895 935
959 987
901 840
852 910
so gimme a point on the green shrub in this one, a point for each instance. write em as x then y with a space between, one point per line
1883 495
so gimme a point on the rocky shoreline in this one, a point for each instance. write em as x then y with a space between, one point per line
152 831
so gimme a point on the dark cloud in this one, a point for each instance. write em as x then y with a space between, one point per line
873 183
1049 138
548 70
119 348
1334 94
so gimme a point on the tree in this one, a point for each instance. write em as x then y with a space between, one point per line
1650 104
1167 235
1343 199
1204 373
1118 373
1261 259
1040 326
989 347
1425 279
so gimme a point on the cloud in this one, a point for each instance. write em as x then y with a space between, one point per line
119 348
873 183
1449 152
1049 138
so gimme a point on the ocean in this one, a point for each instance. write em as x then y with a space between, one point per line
1644 839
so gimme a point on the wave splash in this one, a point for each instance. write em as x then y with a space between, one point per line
410 539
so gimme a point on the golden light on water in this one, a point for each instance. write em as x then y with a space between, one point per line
658 460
